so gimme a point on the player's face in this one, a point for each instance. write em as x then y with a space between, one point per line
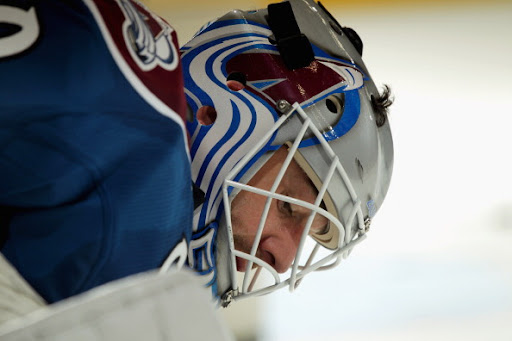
285 222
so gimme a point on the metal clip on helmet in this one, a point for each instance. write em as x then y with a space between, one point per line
301 84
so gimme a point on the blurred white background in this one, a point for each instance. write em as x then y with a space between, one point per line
438 261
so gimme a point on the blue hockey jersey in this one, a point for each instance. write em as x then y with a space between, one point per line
94 170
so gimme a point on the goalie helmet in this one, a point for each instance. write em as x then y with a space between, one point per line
285 78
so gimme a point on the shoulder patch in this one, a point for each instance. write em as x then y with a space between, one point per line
144 46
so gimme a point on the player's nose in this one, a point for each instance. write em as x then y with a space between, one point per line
284 246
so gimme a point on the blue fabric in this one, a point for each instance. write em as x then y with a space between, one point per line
94 183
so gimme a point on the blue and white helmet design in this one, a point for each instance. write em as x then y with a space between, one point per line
284 77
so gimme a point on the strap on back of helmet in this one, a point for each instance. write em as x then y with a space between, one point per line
294 47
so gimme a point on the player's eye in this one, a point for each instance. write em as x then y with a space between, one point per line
285 207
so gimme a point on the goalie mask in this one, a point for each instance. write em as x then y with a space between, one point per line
291 157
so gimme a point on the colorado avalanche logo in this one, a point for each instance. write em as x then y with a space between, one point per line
148 37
